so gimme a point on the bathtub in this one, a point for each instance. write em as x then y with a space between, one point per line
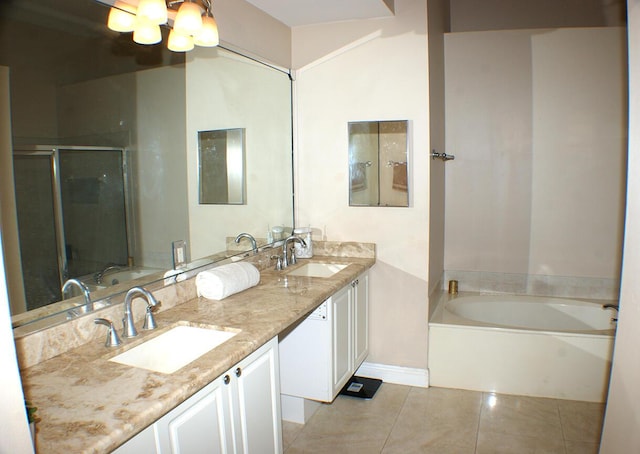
536 346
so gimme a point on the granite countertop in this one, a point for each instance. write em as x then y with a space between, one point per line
89 404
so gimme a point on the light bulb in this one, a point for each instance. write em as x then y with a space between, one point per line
179 42
121 18
208 34
146 32
154 10
189 19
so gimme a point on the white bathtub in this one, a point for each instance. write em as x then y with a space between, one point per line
547 347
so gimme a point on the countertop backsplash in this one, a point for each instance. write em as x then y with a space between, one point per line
38 346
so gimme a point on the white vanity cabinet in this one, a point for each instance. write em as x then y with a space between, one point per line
320 354
239 412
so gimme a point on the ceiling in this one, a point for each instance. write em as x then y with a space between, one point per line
295 13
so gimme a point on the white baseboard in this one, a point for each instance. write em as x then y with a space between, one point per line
395 374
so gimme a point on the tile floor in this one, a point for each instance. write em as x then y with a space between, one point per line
403 419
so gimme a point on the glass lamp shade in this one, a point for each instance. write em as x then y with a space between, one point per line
208 34
179 42
146 32
154 10
189 19
120 20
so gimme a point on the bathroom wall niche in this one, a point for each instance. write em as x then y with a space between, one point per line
221 166
378 163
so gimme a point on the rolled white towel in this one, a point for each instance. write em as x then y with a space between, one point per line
218 283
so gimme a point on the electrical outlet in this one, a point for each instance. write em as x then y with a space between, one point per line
179 254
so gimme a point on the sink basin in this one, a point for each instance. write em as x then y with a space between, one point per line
174 349
129 274
318 269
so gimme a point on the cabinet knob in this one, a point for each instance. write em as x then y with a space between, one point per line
226 379
238 372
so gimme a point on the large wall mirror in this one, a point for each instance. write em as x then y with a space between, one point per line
77 86
378 163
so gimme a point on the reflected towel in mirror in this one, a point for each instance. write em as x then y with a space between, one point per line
358 176
218 283
400 176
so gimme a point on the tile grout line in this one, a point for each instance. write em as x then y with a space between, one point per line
395 422
564 436
285 449
482 401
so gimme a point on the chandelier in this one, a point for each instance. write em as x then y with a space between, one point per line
191 22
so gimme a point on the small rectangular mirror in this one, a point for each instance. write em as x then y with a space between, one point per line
221 166
378 163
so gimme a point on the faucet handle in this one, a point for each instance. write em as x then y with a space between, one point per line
149 320
112 336
128 328
278 262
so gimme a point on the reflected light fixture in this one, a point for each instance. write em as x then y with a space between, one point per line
154 10
179 42
122 17
190 22
146 32
189 19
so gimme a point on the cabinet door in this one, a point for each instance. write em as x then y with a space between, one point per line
361 319
342 336
199 425
258 402
305 358
144 442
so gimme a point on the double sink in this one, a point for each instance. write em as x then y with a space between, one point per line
186 342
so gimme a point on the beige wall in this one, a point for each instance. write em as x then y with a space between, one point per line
160 165
261 104
472 15
247 28
14 431
369 70
8 222
536 120
144 111
438 16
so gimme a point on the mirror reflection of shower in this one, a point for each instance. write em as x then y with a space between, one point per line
378 163
72 216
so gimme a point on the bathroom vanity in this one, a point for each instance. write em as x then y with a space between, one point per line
319 355
88 403
238 412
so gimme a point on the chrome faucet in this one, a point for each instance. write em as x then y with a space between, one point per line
254 246
99 276
128 328
85 290
112 336
285 253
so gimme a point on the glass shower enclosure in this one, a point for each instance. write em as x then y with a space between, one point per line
72 208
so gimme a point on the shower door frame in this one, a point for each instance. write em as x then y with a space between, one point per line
53 152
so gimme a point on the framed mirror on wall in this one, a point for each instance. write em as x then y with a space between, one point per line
221 169
379 163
